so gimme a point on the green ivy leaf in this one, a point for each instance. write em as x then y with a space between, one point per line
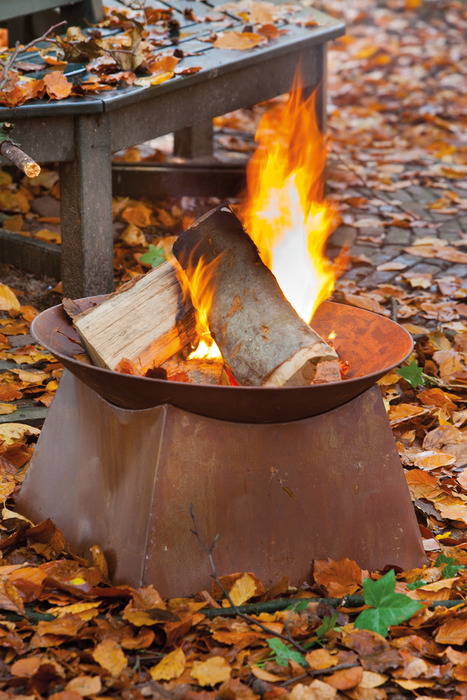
452 567
154 257
412 373
327 625
388 607
283 654
416 584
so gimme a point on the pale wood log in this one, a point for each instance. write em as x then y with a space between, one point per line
260 335
145 324
195 371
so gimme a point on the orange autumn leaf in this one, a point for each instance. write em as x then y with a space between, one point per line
138 215
422 485
453 631
431 459
9 392
238 41
57 85
163 64
110 656
346 679
319 659
212 671
339 578
270 31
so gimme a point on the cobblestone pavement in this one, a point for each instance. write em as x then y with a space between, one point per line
415 230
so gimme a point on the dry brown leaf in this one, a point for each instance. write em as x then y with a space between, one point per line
453 631
317 690
85 685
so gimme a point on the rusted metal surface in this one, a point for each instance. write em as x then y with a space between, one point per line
278 495
371 344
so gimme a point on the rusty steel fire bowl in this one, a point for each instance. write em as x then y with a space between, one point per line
282 475
371 344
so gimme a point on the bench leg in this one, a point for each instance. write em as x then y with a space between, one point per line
320 85
86 211
195 141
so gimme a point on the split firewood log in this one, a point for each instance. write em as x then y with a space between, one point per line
139 327
263 340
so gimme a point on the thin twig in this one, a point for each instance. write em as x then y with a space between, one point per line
18 51
251 620
319 672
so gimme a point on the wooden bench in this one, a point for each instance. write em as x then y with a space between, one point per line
82 133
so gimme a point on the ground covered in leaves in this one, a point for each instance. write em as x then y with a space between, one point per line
397 89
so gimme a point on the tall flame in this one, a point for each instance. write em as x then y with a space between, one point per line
285 212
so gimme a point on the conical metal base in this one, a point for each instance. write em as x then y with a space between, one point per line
278 495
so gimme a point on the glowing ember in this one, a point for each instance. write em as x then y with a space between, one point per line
285 212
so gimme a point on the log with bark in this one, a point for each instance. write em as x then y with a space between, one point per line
139 327
263 340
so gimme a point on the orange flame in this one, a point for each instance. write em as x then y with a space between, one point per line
285 212
196 284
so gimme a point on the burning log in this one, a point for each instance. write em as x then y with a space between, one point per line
139 327
262 338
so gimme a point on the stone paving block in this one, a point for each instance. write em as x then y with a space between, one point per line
458 270
397 235
433 267
423 194
418 209
343 235
398 196
379 277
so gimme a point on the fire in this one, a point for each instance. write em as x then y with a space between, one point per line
285 212
196 285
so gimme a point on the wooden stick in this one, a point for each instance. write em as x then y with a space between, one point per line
140 327
262 338
19 158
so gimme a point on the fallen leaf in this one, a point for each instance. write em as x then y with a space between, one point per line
239 41
57 85
212 671
8 300
171 666
110 656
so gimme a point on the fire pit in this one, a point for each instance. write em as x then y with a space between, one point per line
283 475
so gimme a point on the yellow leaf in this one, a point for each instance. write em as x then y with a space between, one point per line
46 235
8 300
372 680
86 611
133 236
110 656
243 589
6 408
212 671
16 432
171 666
319 659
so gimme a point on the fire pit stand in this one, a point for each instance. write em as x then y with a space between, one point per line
314 480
